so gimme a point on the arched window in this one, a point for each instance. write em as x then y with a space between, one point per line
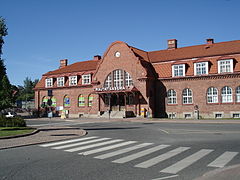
187 96
66 101
238 94
81 101
108 81
128 79
171 97
45 99
90 100
54 101
226 94
118 78
212 95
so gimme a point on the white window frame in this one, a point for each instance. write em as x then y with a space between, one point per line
128 79
226 94
200 68
238 94
171 96
108 81
72 80
177 68
188 97
118 78
86 79
60 81
49 82
225 66
212 95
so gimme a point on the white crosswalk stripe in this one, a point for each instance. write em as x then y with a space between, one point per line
68 141
180 165
122 151
107 148
222 160
140 154
81 143
93 145
162 157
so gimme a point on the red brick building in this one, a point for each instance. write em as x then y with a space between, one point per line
187 82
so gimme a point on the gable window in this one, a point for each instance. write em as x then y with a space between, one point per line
108 81
81 101
49 82
226 94
178 70
90 100
238 94
60 81
118 78
72 80
128 79
187 96
66 101
171 97
86 79
212 95
200 68
225 66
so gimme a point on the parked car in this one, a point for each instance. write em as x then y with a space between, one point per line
10 114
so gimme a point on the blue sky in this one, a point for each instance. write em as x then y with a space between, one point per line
41 32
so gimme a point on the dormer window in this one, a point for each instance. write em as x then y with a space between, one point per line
200 68
49 82
225 66
86 79
72 80
60 81
178 70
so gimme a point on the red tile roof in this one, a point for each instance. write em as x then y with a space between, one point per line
76 67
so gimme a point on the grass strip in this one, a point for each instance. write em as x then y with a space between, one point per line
13 131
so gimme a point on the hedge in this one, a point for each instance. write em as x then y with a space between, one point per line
12 122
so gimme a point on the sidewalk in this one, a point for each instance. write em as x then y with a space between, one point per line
44 134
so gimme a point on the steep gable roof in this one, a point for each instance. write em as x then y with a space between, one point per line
76 67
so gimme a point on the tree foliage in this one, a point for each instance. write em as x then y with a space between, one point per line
26 91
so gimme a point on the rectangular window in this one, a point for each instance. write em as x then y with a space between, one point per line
72 80
178 70
60 81
236 115
118 78
200 68
218 115
86 79
225 66
49 82
186 116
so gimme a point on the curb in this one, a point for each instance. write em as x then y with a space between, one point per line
20 135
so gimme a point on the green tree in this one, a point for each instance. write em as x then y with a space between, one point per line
26 91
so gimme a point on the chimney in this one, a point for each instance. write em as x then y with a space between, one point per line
210 41
63 63
97 57
172 44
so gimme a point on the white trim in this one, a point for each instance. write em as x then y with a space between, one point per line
225 70
86 77
49 82
73 79
195 68
60 81
178 65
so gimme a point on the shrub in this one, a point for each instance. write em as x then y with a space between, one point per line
12 122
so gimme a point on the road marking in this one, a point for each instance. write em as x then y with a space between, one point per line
164 131
107 148
167 177
122 151
180 165
162 157
222 160
68 141
81 143
93 145
140 154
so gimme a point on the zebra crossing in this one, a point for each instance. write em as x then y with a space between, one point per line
132 150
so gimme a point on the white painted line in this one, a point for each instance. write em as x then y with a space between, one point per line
167 177
164 131
68 141
140 154
93 145
180 165
81 143
122 151
162 157
222 160
107 148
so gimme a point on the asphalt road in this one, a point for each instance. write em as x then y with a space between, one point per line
178 151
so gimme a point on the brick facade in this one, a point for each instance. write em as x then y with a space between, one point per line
152 77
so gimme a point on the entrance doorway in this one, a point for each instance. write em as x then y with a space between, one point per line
117 102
